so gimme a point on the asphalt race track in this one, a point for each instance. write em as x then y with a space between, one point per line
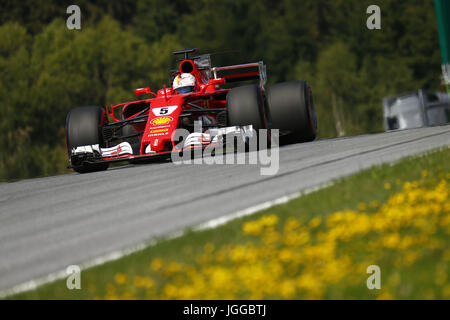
49 223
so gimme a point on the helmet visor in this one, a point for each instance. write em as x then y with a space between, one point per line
185 89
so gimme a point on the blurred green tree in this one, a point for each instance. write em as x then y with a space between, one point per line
46 69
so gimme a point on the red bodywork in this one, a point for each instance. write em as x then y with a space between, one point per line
167 107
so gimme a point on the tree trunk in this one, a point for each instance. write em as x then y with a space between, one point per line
337 119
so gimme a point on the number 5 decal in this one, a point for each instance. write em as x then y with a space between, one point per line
164 110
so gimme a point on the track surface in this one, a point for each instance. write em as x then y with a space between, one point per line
49 223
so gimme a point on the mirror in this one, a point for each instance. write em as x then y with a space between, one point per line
142 91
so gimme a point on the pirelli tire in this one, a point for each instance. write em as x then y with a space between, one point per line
84 127
246 106
293 111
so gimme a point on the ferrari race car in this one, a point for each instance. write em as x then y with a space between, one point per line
201 103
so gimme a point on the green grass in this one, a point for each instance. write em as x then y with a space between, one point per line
346 193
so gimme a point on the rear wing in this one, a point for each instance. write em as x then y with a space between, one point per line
247 71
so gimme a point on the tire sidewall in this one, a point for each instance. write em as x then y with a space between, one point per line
292 110
84 127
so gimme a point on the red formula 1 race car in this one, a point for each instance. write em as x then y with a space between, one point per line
200 97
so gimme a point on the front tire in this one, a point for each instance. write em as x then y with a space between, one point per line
292 111
84 127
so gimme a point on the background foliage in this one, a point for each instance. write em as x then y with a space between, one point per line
47 69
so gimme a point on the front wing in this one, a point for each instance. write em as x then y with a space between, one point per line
123 151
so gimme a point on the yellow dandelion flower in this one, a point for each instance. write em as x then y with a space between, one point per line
172 267
271 237
315 222
120 278
292 224
410 258
220 278
391 240
144 282
406 242
170 291
385 295
287 289
285 255
156 264
252 228
238 253
269 221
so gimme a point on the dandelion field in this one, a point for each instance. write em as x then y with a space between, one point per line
317 246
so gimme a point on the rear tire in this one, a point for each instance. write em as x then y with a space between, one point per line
292 111
84 127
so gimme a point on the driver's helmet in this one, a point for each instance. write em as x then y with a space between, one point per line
184 83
